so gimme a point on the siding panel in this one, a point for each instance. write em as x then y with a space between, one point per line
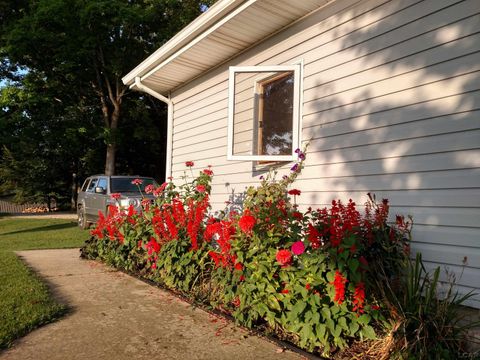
391 105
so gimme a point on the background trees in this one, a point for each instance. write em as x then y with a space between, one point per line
64 107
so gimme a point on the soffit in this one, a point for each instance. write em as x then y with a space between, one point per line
237 28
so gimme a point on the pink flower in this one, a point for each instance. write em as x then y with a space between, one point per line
189 163
116 196
201 188
137 182
149 189
298 248
158 191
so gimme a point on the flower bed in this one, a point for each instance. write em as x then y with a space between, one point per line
305 276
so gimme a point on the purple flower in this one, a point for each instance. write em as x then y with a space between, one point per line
261 177
284 177
297 151
301 156
294 167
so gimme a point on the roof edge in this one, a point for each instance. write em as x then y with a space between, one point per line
183 37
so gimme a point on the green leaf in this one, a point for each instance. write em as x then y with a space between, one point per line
342 322
368 332
321 331
364 319
272 303
299 307
353 328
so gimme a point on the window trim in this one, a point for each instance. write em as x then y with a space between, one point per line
296 126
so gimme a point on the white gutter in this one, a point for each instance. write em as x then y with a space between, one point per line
138 84
215 13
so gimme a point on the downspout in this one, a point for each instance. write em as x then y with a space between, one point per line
141 87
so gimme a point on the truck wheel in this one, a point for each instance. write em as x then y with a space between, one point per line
82 219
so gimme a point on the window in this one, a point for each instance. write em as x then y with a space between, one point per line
124 184
102 182
85 184
264 113
93 183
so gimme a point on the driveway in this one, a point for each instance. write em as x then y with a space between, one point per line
115 316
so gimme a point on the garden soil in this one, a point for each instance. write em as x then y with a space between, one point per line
115 316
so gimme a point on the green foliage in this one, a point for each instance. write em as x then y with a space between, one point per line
320 298
65 99
427 324
316 278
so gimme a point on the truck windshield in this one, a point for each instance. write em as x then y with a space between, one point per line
121 185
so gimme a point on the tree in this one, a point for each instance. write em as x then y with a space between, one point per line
43 141
86 46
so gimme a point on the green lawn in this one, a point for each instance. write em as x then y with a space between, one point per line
25 302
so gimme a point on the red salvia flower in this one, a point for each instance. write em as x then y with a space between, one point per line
339 283
208 172
297 215
189 163
314 236
294 192
359 298
239 266
153 246
363 262
284 257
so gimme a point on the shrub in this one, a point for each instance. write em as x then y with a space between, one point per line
311 277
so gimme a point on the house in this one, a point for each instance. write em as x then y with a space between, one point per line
386 93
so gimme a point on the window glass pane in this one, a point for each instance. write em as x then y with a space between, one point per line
85 184
275 115
92 185
263 113
244 129
124 184
102 182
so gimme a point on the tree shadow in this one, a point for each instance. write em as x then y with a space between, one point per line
43 228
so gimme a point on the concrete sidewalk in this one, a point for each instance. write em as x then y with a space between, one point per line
115 316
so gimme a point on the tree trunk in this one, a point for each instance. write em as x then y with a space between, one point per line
110 159
74 188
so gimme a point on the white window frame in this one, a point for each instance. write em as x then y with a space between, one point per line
296 128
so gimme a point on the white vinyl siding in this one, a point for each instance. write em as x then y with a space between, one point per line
391 105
